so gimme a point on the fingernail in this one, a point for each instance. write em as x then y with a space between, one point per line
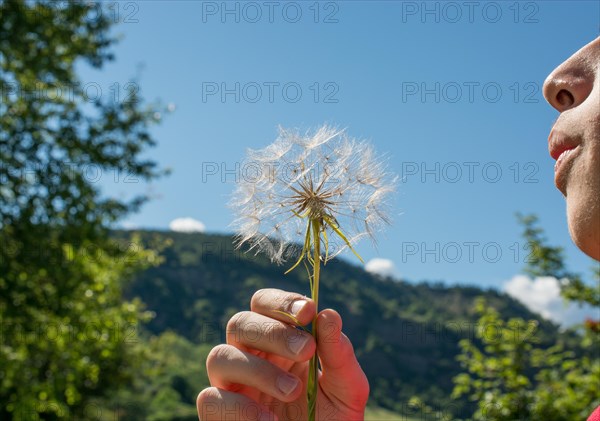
287 384
298 306
297 342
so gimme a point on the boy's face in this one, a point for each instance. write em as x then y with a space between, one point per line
573 88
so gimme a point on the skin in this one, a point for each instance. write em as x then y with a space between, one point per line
244 372
573 88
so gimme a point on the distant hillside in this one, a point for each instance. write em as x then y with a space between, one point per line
406 336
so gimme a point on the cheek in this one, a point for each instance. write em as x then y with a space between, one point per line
583 192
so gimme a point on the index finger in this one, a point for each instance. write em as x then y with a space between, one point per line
273 302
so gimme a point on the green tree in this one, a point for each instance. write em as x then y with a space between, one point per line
172 373
510 376
546 260
65 333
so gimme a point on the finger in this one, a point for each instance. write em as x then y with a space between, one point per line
342 375
271 301
247 330
228 366
215 404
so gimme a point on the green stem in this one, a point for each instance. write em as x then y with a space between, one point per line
313 374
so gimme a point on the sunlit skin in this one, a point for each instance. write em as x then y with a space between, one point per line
245 373
241 381
573 88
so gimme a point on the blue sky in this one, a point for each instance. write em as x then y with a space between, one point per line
449 91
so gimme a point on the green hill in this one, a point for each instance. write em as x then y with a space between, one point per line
405 335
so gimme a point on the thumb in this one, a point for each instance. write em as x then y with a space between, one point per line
341 376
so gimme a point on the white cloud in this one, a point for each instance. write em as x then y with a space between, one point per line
186 225
129 226
383 267
542 295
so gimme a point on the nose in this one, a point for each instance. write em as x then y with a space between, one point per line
572 82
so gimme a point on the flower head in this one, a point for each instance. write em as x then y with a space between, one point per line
326 177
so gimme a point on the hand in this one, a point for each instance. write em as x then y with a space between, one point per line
262 371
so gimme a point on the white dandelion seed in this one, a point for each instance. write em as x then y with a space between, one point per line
324 175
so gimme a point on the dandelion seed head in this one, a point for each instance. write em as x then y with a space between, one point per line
323 174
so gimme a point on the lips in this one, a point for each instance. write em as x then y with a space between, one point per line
563 157
564 150
558 143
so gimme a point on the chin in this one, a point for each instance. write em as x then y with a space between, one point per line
584 226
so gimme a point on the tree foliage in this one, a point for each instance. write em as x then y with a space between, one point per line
510 376
167 382
65 331
67 337
547 260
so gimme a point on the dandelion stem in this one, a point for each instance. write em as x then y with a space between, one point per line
333 177
313 374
